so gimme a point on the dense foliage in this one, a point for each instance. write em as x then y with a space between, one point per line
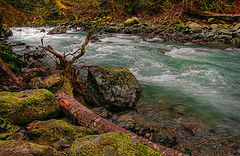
16 12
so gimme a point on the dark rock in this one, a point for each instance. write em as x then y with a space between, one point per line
113 87
58 30
26 106
108 144
94 39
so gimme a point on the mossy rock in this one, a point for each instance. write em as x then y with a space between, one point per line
19 148
56 132
115 88
108 144
11 62
195 27
58 30
27 106
131 21
7 130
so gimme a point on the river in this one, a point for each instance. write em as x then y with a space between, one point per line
204 79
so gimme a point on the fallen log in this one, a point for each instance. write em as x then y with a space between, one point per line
88 118
211 14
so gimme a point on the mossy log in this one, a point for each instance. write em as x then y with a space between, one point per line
88 118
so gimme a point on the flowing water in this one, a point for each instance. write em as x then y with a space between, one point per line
204 79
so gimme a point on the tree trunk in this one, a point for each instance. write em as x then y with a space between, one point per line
15 79
88 118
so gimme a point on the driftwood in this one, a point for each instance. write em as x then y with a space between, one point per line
211 14
88 118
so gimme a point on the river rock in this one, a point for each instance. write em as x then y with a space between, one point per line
56 133
26 106
19 147
58 30
113 87
131 21
108 144
5 32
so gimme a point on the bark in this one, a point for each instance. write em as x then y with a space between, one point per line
88 118
15 79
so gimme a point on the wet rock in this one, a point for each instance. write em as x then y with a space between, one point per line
114 143
56 133
113 87
19 147
58 30
131 21
26 106
94 39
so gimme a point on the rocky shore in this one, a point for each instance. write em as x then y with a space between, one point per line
212 32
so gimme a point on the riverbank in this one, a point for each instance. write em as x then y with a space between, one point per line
187 31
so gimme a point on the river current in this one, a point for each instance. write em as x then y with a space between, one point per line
203 79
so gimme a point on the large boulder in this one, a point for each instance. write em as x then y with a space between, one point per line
26 106
58 30
56 133
113 87
108 144
19 147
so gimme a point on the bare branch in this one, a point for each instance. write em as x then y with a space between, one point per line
83 49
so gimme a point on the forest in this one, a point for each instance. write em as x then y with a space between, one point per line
119 77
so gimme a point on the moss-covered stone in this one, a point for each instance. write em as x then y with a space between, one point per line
11 62
7 130
108 144
26 106
19 148
56 132
131 21
113 87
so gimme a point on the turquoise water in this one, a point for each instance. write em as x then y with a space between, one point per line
204 79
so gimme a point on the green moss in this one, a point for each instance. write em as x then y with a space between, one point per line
56 131
7 130
117 76
235 42
27 106
11 62
132 21
19 147
115 143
